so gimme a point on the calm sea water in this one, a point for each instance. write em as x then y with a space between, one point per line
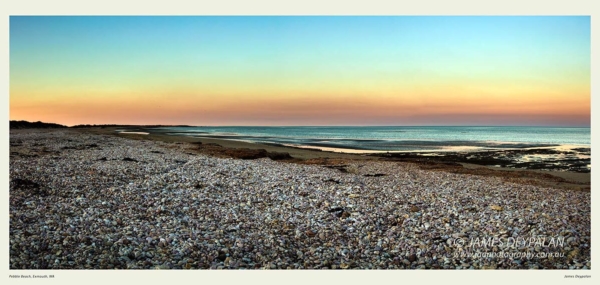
396 138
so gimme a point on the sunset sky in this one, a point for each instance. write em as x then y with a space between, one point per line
301 70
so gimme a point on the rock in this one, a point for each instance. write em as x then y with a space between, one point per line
412 258
335 210
572 254
496 207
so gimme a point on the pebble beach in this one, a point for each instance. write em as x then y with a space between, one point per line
89 201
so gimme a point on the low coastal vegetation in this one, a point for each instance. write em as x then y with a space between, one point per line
33 125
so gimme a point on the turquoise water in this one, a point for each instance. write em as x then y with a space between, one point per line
395 138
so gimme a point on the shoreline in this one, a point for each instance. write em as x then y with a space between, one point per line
222 148
357 145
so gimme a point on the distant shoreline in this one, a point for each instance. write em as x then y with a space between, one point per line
363 143
516 155
231 148
568 158
543 157
313 126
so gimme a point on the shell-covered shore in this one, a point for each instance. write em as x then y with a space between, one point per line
86 201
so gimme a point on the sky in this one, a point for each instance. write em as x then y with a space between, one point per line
291 70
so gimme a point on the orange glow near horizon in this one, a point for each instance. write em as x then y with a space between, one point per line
311 110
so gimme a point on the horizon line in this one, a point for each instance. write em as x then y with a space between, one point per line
425 125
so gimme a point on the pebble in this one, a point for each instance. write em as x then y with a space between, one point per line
91 208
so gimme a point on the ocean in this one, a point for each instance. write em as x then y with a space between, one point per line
396 138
